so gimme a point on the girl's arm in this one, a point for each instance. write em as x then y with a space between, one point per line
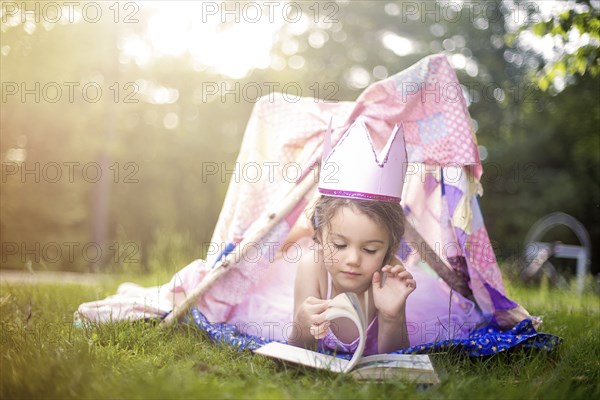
392 334
309 309
390 300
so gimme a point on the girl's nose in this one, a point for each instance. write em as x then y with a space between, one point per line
353 257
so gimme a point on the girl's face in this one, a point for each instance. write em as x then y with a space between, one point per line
354 248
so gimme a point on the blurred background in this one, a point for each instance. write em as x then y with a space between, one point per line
111 111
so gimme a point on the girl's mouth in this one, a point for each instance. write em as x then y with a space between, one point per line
351 274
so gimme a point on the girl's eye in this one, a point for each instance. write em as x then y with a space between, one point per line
370 251
339 246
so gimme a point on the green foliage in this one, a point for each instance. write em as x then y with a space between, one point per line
585 59
43 355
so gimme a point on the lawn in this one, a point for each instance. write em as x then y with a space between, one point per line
44 356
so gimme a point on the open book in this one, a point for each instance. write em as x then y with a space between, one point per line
415 368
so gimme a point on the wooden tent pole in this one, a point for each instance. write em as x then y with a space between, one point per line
434 260
265 224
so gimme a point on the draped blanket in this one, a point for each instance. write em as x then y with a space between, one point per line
445 232
441 191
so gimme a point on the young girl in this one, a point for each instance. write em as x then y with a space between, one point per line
356 242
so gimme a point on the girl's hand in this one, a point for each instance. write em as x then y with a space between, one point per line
311 316
390 297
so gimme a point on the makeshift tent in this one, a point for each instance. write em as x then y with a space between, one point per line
275 180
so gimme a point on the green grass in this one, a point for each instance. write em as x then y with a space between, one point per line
43 356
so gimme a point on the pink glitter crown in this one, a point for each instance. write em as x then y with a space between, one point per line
354 170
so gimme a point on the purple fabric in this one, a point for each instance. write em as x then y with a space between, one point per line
453 196
430 183
461 238
331 342
500 301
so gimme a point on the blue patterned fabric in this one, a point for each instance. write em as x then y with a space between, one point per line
482 342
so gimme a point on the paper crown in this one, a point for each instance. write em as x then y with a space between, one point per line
354 170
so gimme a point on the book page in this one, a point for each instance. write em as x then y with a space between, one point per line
302 356
416 368
409 361
346 305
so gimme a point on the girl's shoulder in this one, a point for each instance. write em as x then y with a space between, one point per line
309 258
312 272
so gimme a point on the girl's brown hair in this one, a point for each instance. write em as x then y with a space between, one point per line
387 214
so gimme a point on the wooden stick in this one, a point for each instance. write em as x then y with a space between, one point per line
264 224
435 262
